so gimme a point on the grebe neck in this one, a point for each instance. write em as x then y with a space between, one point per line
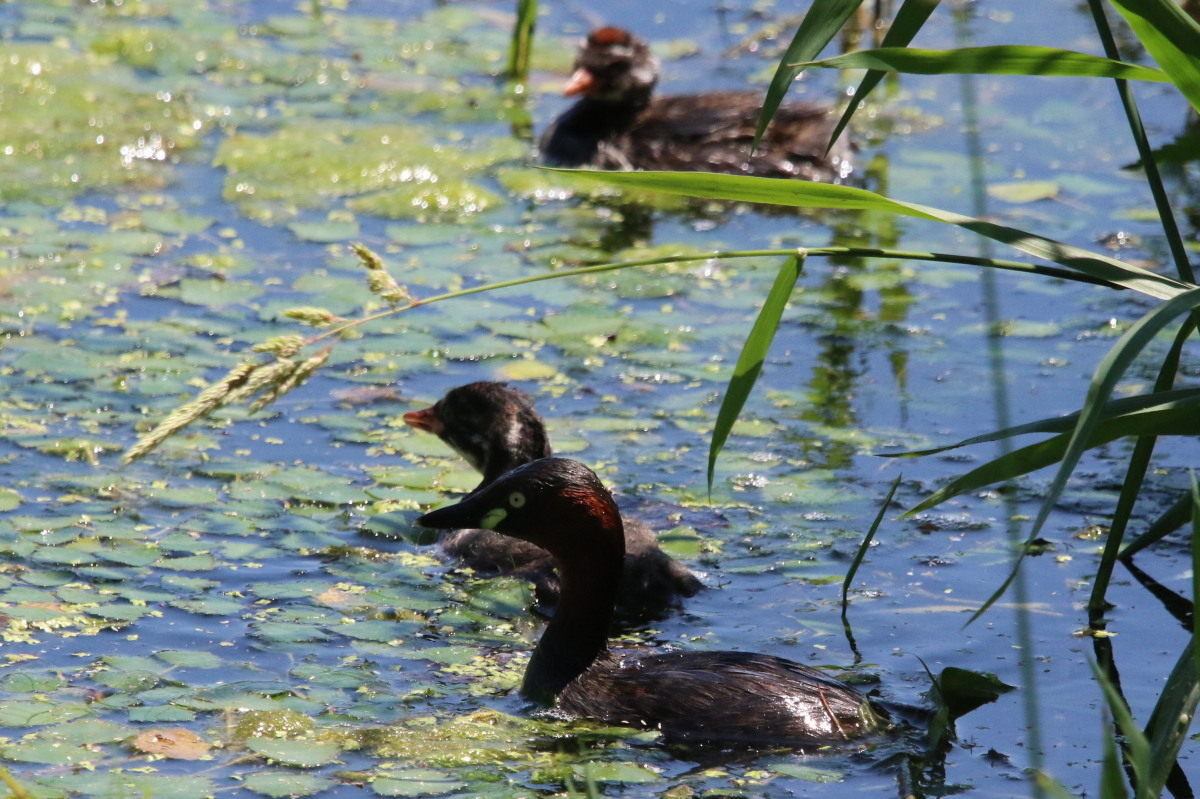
578 633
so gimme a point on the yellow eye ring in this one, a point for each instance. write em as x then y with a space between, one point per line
516 499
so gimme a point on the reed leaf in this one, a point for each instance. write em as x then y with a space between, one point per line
750 361
1135 477
1051 788
1171 37
1171 718
822 22
805 194
1112 778
1137 467
866 544
17 789
1168 522
1108 372
1195 567
1184 421
1114 409
995 60
909 19
1136 744
1162 201
520 48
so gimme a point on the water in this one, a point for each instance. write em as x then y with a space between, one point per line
219 544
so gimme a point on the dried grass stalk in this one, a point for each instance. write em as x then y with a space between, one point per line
205 403
295 378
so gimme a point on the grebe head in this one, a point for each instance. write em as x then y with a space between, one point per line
614 66
492 426
557 503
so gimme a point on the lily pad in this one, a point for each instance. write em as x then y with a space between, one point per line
808 773
9 499
301 752
176 222
22 713
47 751
289 633
1025 191
618 772
527 369
24 682
217 293
382 631
209 606
415 782
193 659
324 232
281 784
160 714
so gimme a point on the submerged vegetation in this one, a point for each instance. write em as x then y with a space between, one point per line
103 553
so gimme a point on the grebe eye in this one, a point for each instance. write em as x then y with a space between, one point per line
516 499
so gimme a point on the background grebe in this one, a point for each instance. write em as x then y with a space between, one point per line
619 124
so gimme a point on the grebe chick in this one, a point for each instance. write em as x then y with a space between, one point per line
727 697
619 124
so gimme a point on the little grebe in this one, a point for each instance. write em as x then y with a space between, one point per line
495 428
728 697
617 124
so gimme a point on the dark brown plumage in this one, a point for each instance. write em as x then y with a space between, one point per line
618 124
725 697
495 428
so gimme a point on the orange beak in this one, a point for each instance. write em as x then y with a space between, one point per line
579 83
425 420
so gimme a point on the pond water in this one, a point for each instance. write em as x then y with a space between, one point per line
176 176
